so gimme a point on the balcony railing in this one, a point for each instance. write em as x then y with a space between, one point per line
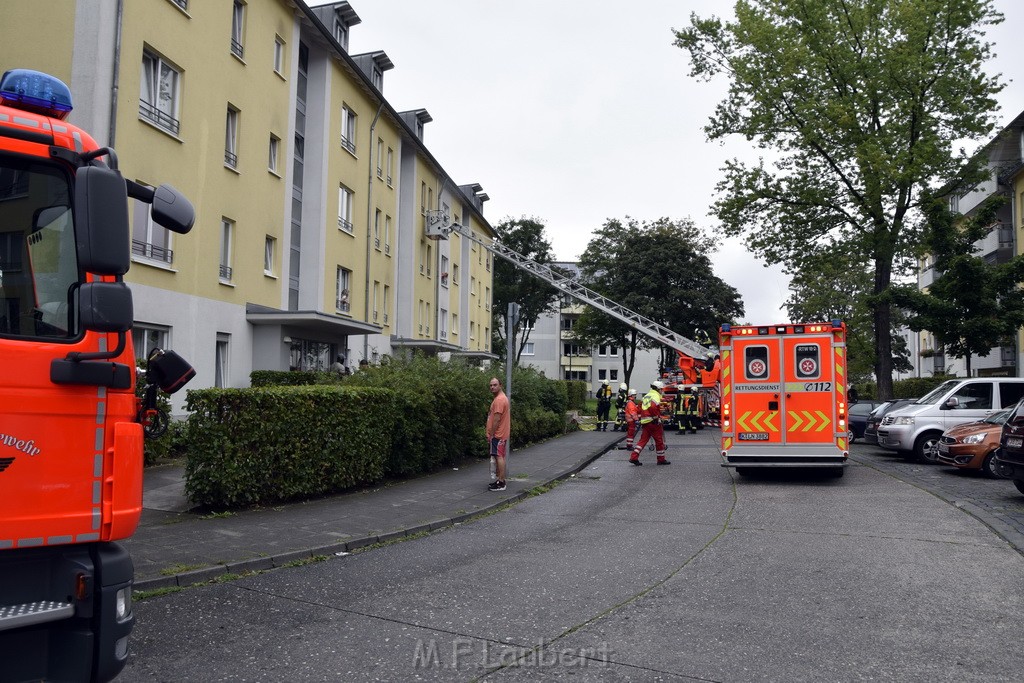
342 306
237 49
140 248
348 144
225 273
230 159
376 243
183 4
387 248
345 225
154 115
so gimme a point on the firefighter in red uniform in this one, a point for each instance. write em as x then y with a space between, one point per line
632 417
650 422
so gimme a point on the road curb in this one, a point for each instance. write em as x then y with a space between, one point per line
265 563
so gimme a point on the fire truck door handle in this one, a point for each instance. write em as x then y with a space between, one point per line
773 405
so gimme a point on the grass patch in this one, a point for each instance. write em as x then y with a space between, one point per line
543 488
180 568
305 560
155 593
218 515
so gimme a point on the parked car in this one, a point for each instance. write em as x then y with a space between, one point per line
915 430
972 446
857 416
1010 456
875 418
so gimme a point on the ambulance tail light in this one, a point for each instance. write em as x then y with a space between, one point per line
842 415
726 418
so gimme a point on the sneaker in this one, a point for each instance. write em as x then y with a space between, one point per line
496 486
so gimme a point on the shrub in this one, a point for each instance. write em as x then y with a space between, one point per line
262 446
916 387
576 394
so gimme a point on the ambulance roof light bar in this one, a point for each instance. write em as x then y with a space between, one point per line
36 92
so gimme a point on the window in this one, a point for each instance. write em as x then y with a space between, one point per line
569 349
237 27
376 299
146 337
231 138
602 374
472 286
387 302
568 323
444 270
613 350
472 330
274 149
427 332
269 251
380 154
423 199
455 273
580 375
391 164
345 209
348 129
455 324
487 298
278 55
341 33
376 230
159 93
528 349
183 4
442 331
149 240
423 257
377 78
341 285
420 313
387 235
614 375
488 262
974 396
227 228
221 361
430 257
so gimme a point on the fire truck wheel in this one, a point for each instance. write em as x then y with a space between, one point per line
1019 483
837 472
926 448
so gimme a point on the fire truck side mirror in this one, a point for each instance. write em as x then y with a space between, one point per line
101 221
172 210
105 306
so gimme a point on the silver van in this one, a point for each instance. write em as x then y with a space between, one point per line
915 429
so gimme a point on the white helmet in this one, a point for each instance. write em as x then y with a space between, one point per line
657 384
605 382
632 392
622 387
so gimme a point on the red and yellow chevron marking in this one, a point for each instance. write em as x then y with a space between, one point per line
810 419
726 443
840 373
726 385
760 421
841 443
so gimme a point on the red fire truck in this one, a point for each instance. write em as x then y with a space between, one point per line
784 396
70 438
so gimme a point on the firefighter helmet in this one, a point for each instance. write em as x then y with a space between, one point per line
657 384
605 382
632 392
622 387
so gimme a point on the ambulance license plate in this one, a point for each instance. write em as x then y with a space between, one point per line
753 436
1014 442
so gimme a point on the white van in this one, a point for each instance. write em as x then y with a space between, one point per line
915 429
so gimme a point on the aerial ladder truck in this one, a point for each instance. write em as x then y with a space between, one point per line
696 362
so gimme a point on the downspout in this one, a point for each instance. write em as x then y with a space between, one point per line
369 231
117 71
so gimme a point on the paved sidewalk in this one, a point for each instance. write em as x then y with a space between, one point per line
176 547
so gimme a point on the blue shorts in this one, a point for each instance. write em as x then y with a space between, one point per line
499 447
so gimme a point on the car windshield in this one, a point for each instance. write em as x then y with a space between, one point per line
938 392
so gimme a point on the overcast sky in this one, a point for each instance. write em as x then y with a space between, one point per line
575 112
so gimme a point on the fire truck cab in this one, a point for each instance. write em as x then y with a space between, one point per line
784 396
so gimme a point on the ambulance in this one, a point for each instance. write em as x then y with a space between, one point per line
784 398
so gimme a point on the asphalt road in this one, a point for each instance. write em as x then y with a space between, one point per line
683 572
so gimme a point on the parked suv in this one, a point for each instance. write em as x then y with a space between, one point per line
875 418
916 429
1010 456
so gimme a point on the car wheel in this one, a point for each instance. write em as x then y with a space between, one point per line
1019 483
745 471
852 436
926 448
989 466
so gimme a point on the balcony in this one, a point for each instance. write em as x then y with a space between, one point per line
576 361
997 243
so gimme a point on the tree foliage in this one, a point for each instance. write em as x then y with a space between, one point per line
972 306
512 284
661 270
860 104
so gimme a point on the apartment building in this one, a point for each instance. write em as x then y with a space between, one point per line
1006 176
311 191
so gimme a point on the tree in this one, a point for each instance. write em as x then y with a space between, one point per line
972 306
860 104
833 286
660 270
512 284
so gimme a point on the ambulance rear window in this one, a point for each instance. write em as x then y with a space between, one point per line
755 362
808 361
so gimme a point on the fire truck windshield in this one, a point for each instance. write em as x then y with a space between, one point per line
38 260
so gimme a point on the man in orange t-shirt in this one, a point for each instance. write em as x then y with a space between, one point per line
499 427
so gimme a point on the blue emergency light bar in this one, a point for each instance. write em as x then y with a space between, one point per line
36 92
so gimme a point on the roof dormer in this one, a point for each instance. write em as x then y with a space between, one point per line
416 119
339 18
374 64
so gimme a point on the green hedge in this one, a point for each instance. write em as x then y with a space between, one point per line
576 392
912 387
263 446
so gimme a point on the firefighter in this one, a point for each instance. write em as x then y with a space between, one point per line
677 408
632 416
688 411
604 405
650 422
